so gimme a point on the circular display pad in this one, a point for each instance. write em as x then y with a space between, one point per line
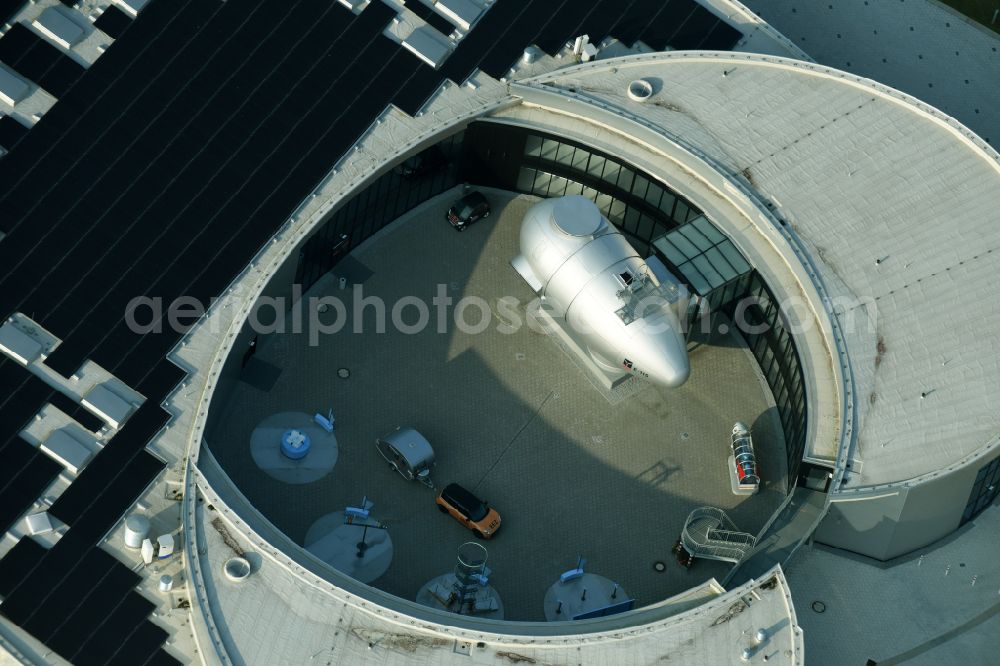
336 543
582 595
440 593
576 216
267 448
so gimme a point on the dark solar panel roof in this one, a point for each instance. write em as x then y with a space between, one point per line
76 412
113 22
11 131
30 55
18 562
8 8
25 471
432 18
172 161
29 474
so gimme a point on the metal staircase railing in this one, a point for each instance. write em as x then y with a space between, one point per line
710 534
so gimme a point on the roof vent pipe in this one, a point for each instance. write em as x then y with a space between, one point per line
640 90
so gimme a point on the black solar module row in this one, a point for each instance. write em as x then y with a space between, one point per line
11 131
78 617
563 25
116 612
82 119
113 22
51 602
206 124
415 92
670 21
197 222
34 473
635 19
108 469
432 18
491 30
499 57
18 563
25 471
17 407
99 565
137 648
96 642
8 8
76 411
30 55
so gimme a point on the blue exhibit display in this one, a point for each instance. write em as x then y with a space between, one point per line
295 444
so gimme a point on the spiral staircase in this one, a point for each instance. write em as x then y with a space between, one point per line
710 534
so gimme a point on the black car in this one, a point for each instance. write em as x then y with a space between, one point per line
470 208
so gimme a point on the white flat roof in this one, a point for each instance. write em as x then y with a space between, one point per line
12 87
425 43
58 27
65 449
862 173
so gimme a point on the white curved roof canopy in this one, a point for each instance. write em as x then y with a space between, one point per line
898 205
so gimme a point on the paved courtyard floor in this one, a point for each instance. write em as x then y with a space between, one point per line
512 418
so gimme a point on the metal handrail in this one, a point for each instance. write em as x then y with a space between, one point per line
709 533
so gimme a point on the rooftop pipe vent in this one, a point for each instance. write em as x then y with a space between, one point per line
640 90
237 569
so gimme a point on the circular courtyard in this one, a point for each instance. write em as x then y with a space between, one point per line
573 470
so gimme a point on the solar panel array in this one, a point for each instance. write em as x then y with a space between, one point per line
113 22
28 54
178 155
11 131
430 17
8 8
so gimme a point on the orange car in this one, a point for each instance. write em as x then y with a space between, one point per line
469 510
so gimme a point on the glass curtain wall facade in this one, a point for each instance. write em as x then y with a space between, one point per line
708 262
758 318
377 205
985 490
637 204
